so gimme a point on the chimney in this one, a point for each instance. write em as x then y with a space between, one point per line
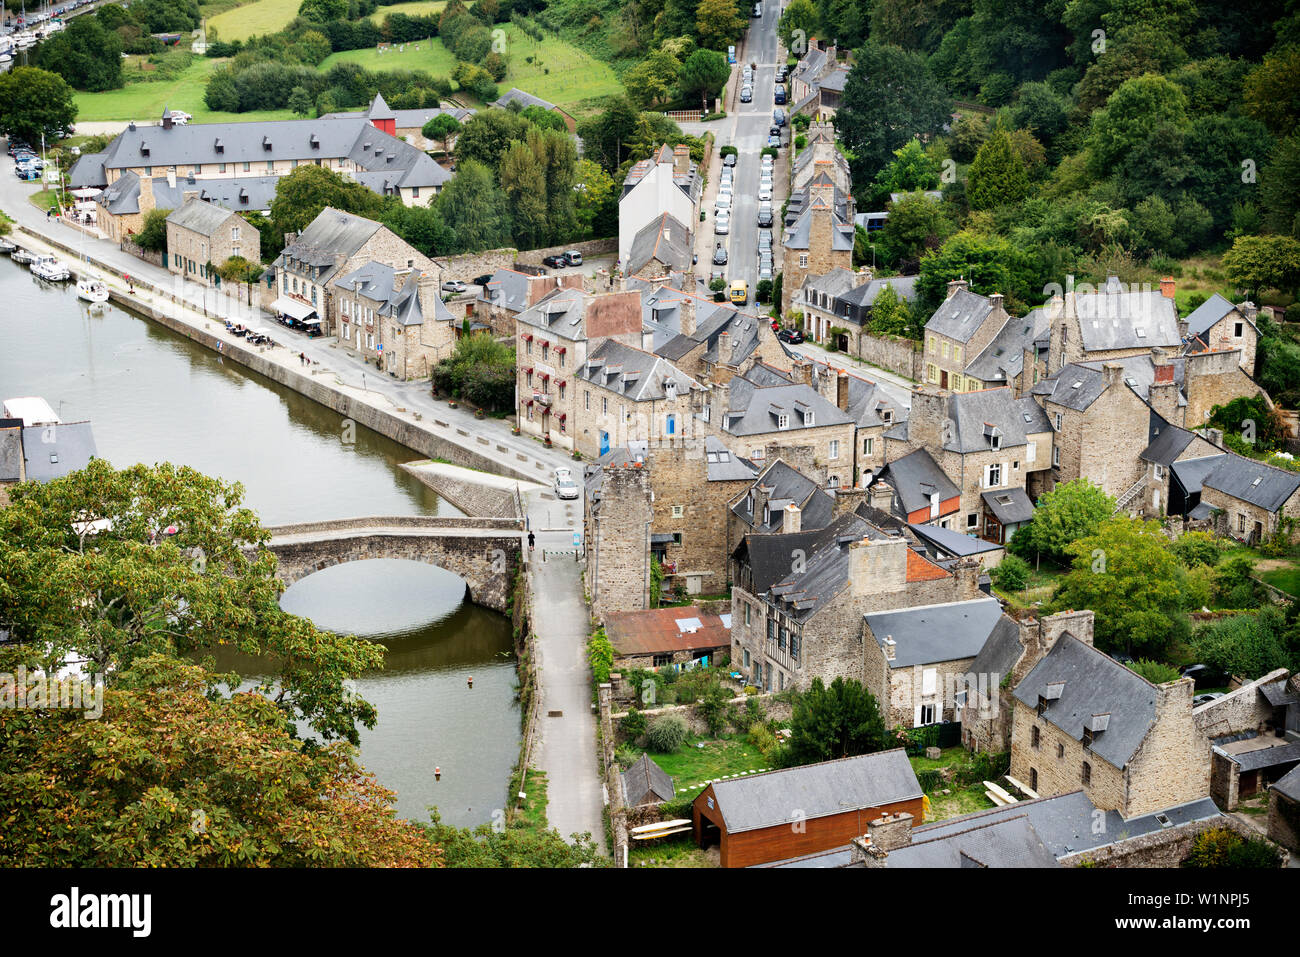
926 421
882 496
171 177
687 313
791 519
802 371
1214 437
670 389
966 574
891 831
189 194
724 346
867 854
147 202
762 494
842 391
426 286
995 299
167 120
1112 372
681 159
1174 697
891 648
877 566
955 285
1078 623
1167 287
1248 310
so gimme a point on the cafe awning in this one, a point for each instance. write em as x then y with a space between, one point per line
293 308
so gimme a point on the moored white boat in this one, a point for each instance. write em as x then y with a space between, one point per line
50 268
92 290
24 256
7 246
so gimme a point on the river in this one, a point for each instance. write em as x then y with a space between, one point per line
155 396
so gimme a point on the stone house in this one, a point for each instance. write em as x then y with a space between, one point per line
1170 446
1284 811
819 240
407 125
813 69
1210 379
994 447
799 598
841 300
201 234
660 250
1250 501
393 318
667 183
708 341
914 488
960 330
1254 731
509 292
519 99
334 244
663 637
1216 325
1015 357
780 499
122 207
1113 321
617 515
552 338
916 660
819 156
1083 720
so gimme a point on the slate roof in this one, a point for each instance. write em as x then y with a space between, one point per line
53 453
865 294
1000 652
88 171
1252 481
950 543
817 790
960 315
754 410
868 402
1004 842
972 413
199 217
516 95
1289 784
632 373
1207 314
722 465
332 233
1093 684
915 477
11 451
1116 318
1267 757
1010 506
665 240
507 289
928 634
1004 357
796 236
1167 445
646 783
787 484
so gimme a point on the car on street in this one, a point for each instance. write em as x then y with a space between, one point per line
482 280
573 258
778 94
774 142
765 193
739 292
565 486
729 161
723 201
792 336
746 94
454 286
782 72
757 11
720 255
765 217
778 117
554 261
765 270
1205 676
722 223
1201 699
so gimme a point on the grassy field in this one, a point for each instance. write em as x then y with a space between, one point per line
692 764
145 100
1287 579
419 8
253 19
679 851
533 813
549 68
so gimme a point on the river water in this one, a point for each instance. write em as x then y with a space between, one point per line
154 396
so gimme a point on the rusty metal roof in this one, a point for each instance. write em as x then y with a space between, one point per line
665 630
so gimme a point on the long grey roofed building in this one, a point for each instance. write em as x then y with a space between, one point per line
933 633
1004 358
199 217
1252 481
1003 842
1115 317
634 374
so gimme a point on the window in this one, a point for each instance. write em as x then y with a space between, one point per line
833 481
221 167
803 260
1031 451
148 171
995 442
678 512
561 390
1033 779
546 348
1042 706
1058 422
868 446
1237 329
604 405
1060 750
586 399
925 715
794 645
1087 737
1034 737
783 421
956 353
247 166
198 168
415 192
1160 472
1241 523
747 611
835 448
945 350
972 520
670 424
661 660
530 346
746 657
1056 456
1086 776
771 629
994 476
234 234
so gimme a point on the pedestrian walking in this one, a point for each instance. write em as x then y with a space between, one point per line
532 540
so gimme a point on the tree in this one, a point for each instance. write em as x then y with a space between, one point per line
523 179
596 204
1245 645
474 209
718 23
989 263
441 128
889 98
487 846
171 775
323 11
86 54
1263 262
891 316
1126 574
1040 110
652 80
911 169
797 25
1130 114
836 722
301 195
1272 91
1070 511
702 74
1279 187
1156 672
237 269
300 101
997 176
113 595
153 231
35 103
666 733
487 135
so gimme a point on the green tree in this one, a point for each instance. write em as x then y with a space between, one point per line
890 97
175 775
702 74
1255 263
112 595
323 11
653 80
1130 114
911 169
718 23
1272 91
596 203
836 722
35 103
891 316
989 263
302 194
1126 574
441 128
1011 574
153 231
523 180
798 24
1069 512
1279 187
997 177
1041 110
487 135
84 53
1245 645
666 733
237 269
481 370
475 210
300 101
490 847
1156 672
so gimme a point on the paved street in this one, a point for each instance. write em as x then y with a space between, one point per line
895 386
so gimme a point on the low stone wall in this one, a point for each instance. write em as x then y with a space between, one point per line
591 247
618 824
1165 848
395 521
468 265
472 498
140 253
777 710
899 356
1237 711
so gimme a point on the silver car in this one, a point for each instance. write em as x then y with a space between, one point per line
565 486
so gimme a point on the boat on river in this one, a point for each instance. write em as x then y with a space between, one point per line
92 290
51 269
24 256
7 246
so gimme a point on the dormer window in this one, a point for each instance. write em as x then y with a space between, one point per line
783 421
808 417
1042 705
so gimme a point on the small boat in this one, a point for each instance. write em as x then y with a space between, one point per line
24 256
92 290
51 269
7 246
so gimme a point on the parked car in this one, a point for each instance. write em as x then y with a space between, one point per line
573 257
765 217
774 142
729 161
565 486
792 336
1205 676
765 192
746 94
765 270
554 261
454 286
483 280
758 10
778 116
1201 699
782 72
720 255
778 94
722 223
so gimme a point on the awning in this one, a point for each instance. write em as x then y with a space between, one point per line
292 307
87 193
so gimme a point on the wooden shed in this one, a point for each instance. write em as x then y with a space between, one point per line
778 815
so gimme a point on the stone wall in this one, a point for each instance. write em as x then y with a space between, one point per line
468 265
591 247
1165 848
892 353
1284 821
1058 761
618 546
472 498
1241 710
1172 765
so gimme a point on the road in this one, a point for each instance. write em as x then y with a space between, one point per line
897 387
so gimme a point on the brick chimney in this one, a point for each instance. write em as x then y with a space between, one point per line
802 371
867 854
1164 391
1167 287
1078 623
891 831
791 519
681 159
955 285
967 575
147 202
842 391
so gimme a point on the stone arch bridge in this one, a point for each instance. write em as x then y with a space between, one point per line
483 551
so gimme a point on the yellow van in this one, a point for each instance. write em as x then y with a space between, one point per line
740 292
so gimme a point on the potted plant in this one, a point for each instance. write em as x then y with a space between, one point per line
546 440
480 414
451 403
514 429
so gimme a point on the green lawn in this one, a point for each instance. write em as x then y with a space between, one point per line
146 99
965 801
558 71
1286 579
253 19
691 764
679 851
419 8
533 813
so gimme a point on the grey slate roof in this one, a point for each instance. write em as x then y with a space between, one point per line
1168 445
53 453
865 295
1267 757
506 289
788 485
1004 357
796 236
722 465
929 634
632 373
1000 653
951 544
972 413
1252 481
1191 472
645 783
753 410
1004 842
1116 318
1093 684
516 95
960 315
332 233
88 171
1289 784
664 239
817 790
199 217
915 477
1010 506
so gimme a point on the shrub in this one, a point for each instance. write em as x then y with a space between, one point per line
1156 672
1197 548
600 654
1011 574
714 707
929 779
1219 847
667 733
633 724
762 738
625 756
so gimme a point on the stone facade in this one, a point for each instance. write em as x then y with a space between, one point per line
1236 332
191 250
617 539
820 256
1284 821
1214 378
1246 521
946 358
1104 442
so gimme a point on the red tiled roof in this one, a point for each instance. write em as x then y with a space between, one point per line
655 631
